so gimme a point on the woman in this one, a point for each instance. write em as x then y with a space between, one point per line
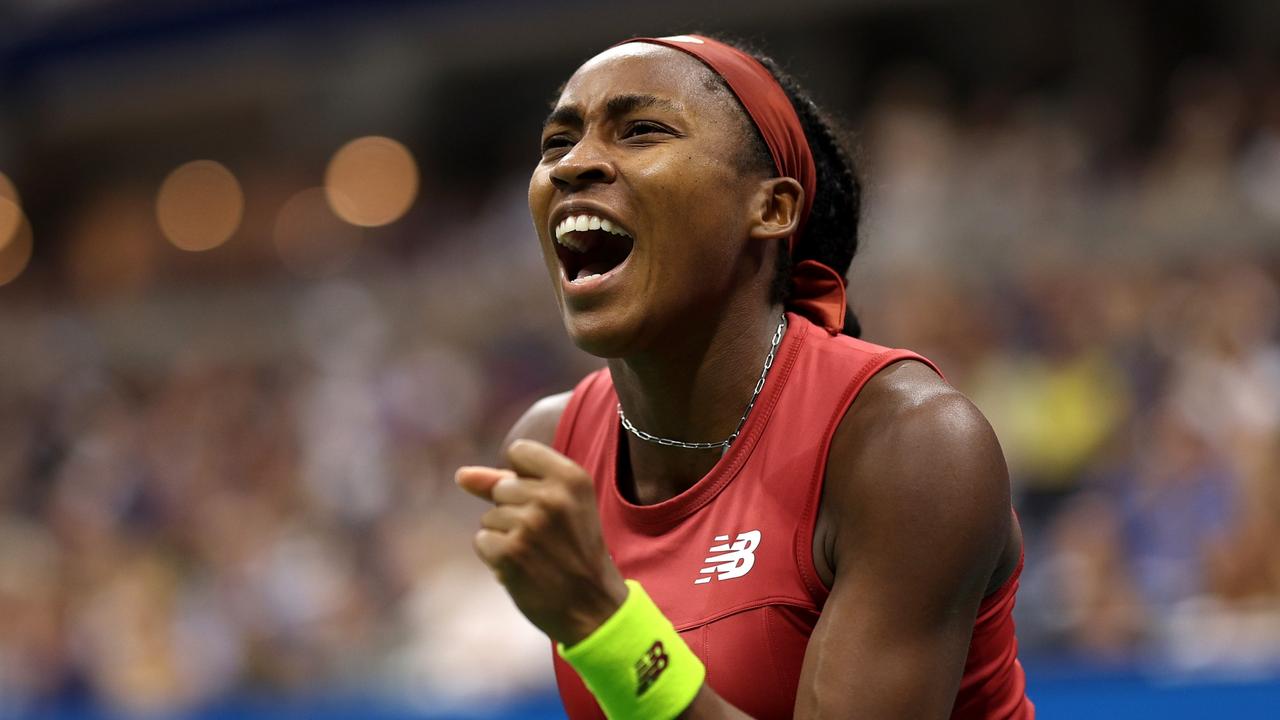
808 525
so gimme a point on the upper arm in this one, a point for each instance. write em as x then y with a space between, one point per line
538 422
920 496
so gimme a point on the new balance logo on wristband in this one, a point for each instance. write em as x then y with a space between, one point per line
734 560
650 667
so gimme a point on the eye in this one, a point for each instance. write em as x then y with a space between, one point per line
644 127
556 142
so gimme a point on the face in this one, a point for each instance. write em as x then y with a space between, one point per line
640 203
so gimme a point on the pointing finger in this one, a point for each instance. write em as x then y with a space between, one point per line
479 481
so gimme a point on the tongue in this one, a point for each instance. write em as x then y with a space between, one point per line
595 268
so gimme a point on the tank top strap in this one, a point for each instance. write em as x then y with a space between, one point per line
592 394
869 360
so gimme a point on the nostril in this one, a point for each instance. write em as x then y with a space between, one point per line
579 176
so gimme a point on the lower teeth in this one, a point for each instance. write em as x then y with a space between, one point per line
585 278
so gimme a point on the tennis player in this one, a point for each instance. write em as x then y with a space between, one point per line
750 512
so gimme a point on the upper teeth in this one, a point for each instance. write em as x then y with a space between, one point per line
583 223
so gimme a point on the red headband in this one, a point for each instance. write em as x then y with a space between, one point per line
819 291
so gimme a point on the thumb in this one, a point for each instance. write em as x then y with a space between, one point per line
479 481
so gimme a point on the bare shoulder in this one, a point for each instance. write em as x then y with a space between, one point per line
915 461
916 511
907 413
540 420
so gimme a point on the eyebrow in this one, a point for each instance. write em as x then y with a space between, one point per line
617 106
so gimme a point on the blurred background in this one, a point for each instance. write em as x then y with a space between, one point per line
267 277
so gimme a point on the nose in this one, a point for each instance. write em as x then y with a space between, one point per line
584 164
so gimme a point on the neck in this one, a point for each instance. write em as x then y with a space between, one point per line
693 389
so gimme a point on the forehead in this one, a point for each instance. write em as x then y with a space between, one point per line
643 68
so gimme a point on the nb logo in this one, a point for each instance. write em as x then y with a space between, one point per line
650 667
734 559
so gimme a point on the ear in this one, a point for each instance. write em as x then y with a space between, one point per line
777 209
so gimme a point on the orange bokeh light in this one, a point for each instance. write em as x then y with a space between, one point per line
15 254
371 181
8 190
199 205
11 220
11 216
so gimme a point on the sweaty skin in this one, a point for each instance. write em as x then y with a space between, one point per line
914 528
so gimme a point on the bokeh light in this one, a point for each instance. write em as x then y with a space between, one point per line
8 190
199 205
11 217
16 253
311 240
371 181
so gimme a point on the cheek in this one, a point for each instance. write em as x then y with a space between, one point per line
701 204
539 193
539 211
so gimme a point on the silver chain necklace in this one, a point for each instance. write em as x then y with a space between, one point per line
724 444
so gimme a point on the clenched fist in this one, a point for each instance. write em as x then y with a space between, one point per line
542 539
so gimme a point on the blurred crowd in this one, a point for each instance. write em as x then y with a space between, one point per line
247 486
1115 311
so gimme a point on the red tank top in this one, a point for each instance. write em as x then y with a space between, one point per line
730 560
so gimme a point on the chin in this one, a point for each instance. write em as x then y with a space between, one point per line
602 332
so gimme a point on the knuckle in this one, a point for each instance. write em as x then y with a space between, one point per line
556 501
516 449
519 547
483 548
577 476
579 482
582 488
535 520
503 489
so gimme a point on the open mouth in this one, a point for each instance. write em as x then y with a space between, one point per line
589 246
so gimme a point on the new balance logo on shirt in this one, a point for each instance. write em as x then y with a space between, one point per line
734 559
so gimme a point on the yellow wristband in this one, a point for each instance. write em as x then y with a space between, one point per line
636 664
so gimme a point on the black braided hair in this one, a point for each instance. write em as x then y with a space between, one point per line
831 233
